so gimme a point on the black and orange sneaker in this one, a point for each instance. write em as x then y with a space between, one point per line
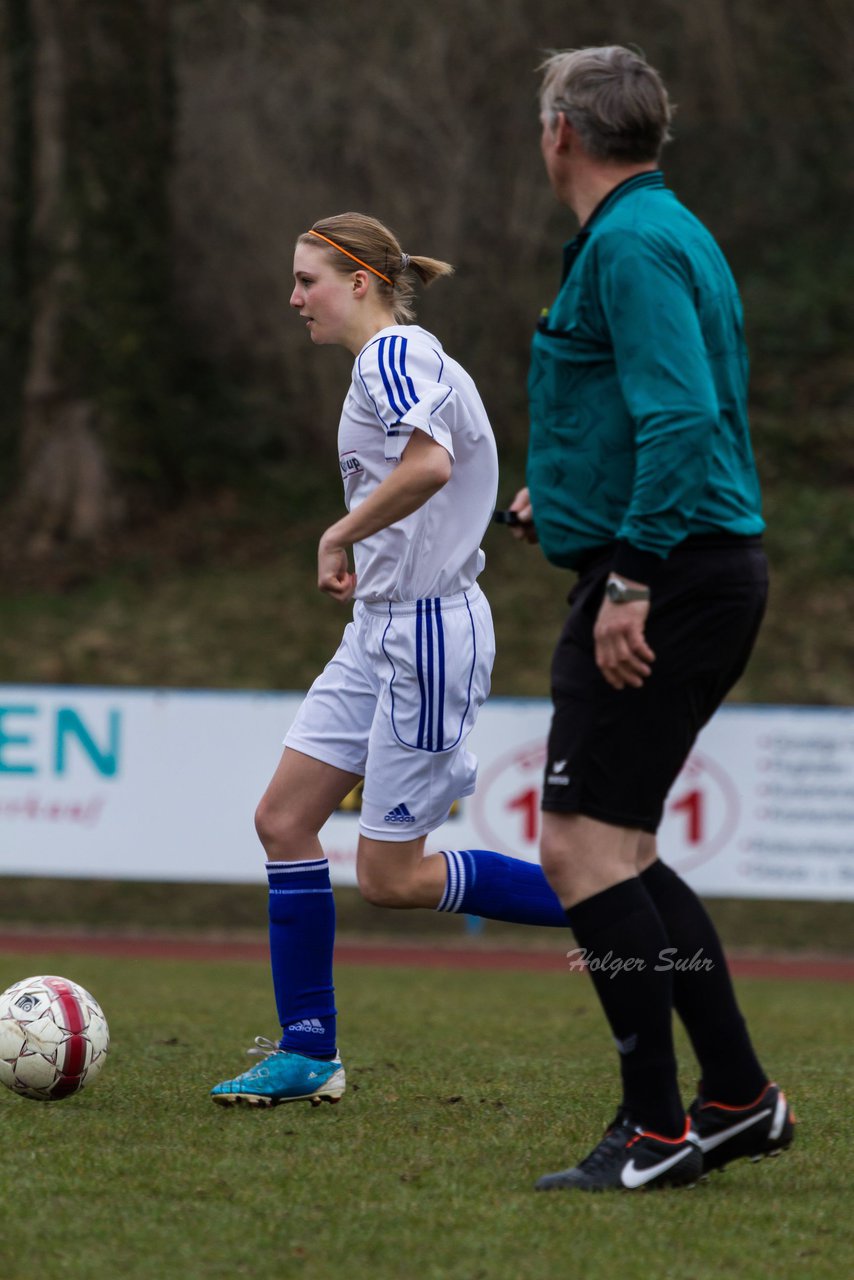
762 1128
629 1158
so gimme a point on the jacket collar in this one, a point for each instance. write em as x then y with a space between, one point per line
651 178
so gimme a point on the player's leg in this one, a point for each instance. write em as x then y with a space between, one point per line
434 660
323 760
395 873
480 882
304 1063
474 882
299 799
301 796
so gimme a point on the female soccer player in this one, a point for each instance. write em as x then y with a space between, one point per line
398 700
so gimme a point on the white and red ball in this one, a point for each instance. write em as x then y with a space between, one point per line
53 1038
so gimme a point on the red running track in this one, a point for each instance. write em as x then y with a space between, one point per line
423 956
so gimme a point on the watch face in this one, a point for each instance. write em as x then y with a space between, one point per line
619 593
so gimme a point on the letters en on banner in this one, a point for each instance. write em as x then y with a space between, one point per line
162 785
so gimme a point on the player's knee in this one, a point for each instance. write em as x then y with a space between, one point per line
380 890
265 823
280 830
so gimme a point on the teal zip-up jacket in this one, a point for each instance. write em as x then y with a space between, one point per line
638 390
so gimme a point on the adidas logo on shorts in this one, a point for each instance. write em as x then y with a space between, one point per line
399 813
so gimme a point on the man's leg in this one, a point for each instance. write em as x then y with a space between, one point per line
737 1112
592 867
703 995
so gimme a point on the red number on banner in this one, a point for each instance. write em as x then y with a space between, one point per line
529 804
693 807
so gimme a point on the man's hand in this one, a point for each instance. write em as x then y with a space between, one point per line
333 568
622 654
524 531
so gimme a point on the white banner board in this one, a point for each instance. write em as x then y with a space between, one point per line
162 785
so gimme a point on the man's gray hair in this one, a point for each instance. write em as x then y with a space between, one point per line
612 97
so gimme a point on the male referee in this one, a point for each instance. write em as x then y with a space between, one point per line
641 478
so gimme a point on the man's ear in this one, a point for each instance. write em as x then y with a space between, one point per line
564 132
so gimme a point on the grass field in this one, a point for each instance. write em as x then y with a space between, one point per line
463 1088
222 595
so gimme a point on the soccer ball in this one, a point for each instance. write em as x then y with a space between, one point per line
53 1038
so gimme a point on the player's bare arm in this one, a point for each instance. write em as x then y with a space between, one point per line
424 468
622 653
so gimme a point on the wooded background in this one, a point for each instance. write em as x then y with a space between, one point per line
157 161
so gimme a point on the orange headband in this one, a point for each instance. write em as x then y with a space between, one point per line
353 256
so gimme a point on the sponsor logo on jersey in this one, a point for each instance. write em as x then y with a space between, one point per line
350 465
399 813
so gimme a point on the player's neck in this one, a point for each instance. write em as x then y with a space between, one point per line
365 325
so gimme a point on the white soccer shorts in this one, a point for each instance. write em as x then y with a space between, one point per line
396 704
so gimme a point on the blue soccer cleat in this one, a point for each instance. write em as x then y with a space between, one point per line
282 1077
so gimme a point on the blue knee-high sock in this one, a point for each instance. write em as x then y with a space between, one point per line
481 883
302 936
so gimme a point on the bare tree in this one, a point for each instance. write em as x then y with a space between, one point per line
424 115
85 168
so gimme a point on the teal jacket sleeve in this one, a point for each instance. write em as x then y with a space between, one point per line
647 296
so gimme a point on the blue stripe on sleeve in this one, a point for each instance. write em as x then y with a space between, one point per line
381 357
409 383
392 348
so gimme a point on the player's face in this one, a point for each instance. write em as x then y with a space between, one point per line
323 296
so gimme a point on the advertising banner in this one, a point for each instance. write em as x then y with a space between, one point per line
162 785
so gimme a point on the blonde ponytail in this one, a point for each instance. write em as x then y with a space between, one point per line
350 238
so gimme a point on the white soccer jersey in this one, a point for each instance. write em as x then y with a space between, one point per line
404 381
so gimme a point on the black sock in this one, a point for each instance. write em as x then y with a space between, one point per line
703 994
622 936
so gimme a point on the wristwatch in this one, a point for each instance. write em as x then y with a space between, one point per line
619 592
